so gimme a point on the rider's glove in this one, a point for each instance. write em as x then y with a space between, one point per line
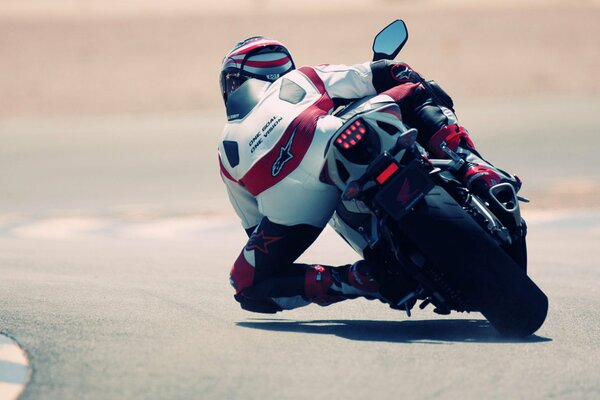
480 178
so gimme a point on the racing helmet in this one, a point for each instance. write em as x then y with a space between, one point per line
257 58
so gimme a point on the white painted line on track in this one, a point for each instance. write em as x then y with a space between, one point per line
14 369
190 226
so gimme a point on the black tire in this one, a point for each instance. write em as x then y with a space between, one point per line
518 252
470 261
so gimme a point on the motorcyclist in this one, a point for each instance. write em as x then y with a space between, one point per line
271 156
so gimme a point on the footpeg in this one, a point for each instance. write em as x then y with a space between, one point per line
425 303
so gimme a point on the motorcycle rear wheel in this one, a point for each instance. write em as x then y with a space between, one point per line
471 262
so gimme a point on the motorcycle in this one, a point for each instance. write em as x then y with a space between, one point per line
412 218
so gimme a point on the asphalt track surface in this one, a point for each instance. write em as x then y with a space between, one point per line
115 247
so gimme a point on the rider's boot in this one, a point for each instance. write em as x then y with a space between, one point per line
327 285
477 174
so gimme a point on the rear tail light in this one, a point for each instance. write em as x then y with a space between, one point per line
352 135
387 173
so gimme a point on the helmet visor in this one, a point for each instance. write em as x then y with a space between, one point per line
230 82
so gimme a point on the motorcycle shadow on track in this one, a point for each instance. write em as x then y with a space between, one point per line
412 331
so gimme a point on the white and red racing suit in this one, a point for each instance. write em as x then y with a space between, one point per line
271 157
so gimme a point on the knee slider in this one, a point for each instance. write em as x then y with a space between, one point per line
262 306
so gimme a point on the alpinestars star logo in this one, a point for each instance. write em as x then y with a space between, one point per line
285 155
258 241
402 73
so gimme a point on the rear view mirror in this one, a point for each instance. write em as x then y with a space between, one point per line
389 41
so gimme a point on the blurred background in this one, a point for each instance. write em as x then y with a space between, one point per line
116 235
112 108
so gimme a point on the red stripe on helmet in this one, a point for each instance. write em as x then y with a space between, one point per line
268 64
254 45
